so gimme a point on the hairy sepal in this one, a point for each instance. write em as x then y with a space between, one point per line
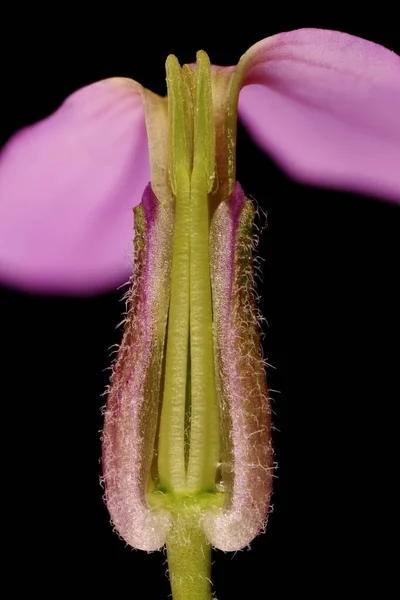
246 451
133 403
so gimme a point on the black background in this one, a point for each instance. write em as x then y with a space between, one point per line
329 294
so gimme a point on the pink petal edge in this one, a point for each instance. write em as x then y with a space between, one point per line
326 106
67 188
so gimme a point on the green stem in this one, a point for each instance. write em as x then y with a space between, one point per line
189 558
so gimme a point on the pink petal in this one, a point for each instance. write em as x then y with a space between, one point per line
326 106
67 188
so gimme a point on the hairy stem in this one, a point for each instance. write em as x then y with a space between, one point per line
189 558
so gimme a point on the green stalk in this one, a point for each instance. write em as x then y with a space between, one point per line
189 558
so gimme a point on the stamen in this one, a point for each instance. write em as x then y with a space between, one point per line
190 468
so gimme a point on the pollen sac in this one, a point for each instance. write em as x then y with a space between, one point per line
245 419
133 404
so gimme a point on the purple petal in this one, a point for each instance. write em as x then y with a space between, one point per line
326 106
67 188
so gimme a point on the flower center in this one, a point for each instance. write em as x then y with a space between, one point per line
189 447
